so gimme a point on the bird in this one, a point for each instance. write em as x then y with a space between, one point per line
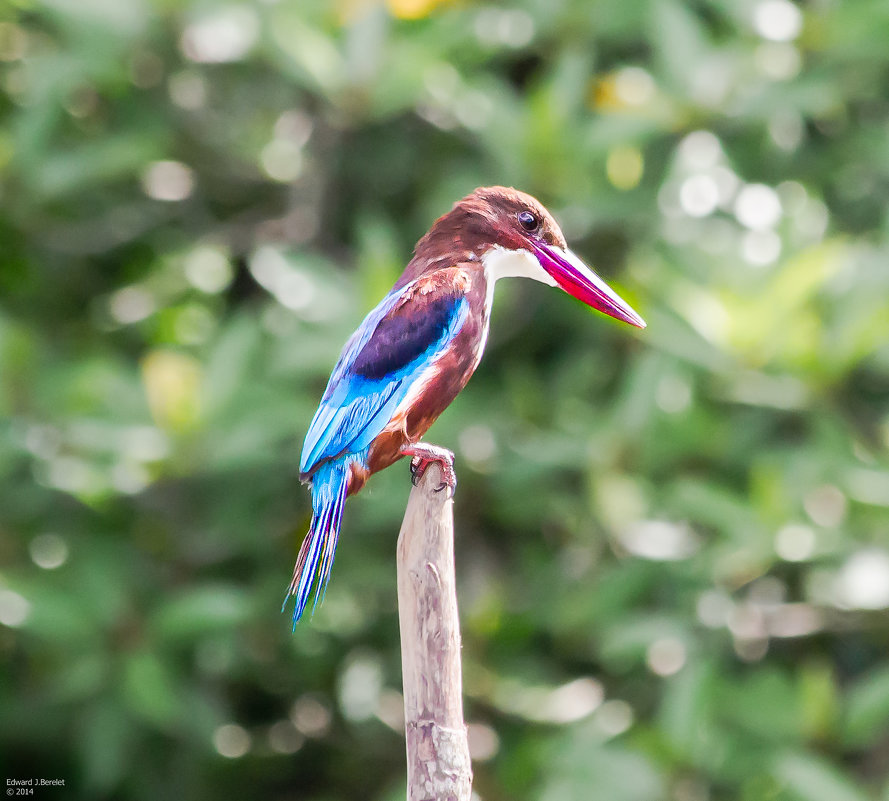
417 349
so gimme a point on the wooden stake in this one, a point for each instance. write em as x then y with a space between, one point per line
438 764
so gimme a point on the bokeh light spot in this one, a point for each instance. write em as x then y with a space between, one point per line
758 206
826 505
226 35
573 701
172 385
713 608
777 20
760 248
659 540
699 195
48 551
665 656
634 86
129 478
360 686
508 27
282 160
477 445
131 304
291 287
700 150
786 127
484 743
614 717
72 474
283 738
310 716
794 620
778 61
193 324
673 394
231 740
795 542
624 167
863 581
169 181
412 9
869 486
208 268
188 89
390 709
14 608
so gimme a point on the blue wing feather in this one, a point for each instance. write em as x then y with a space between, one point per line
339 428
378 366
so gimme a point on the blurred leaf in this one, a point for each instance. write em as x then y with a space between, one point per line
820 700
679 40
149 689
626 642
767 704
590 771
687 714
93 163
228 365
171 384
104 743
201 610
867 709
810 778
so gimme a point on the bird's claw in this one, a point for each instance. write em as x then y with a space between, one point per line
418 469
424 455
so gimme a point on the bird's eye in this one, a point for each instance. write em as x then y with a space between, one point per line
528 220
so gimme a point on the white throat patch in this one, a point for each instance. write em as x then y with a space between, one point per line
502 263
499 263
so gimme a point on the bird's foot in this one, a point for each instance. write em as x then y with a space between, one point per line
424 455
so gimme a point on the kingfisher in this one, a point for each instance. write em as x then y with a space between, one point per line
417 349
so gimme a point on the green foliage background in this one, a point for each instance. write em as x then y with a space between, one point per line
673 545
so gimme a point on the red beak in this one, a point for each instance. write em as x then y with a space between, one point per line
572 275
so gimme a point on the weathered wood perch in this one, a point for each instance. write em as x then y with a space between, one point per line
438 764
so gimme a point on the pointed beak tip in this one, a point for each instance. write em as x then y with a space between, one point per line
572 275
624 315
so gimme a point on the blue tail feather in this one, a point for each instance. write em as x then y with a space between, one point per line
329 487
329 548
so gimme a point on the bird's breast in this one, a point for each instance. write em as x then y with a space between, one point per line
442 380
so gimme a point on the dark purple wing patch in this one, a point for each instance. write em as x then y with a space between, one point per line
406 334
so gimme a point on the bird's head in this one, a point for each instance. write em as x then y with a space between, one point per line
516 236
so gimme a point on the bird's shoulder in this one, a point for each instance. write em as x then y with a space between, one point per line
424 314
456 280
